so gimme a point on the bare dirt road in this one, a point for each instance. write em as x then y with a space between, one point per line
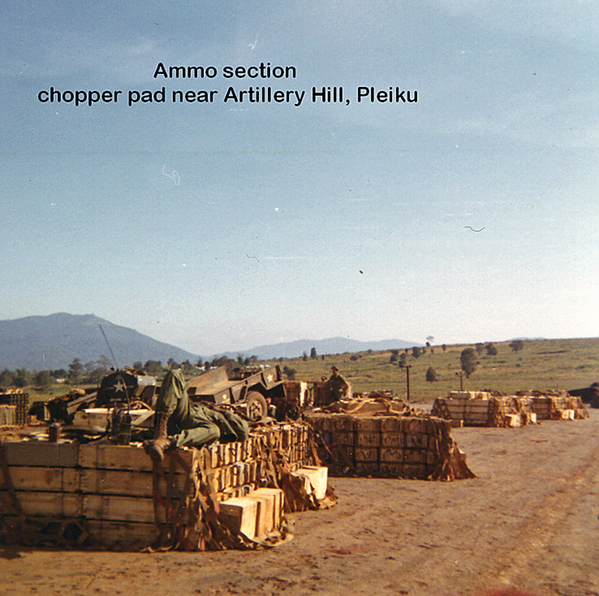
530 520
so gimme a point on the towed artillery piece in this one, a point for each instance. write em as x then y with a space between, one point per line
127 388
125 400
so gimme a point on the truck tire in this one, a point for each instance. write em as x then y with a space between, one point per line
257 408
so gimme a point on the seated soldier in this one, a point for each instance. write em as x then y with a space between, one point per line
180 422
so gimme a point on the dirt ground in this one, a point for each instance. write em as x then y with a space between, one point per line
530 521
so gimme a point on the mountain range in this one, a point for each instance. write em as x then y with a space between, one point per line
52 342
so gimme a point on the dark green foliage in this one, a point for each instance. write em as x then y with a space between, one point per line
75 374
517 345
491 349
153 367
7 378
468 361
431 374
289 372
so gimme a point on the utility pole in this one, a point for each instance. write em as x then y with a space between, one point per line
461 375
408 367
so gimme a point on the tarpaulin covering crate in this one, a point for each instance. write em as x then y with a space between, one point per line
419 447
113 495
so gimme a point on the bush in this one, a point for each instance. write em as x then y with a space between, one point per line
431 375
491 349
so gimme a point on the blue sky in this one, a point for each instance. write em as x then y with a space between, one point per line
224 226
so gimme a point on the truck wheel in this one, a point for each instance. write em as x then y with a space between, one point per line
257 407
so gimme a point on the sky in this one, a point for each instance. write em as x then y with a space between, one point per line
468 215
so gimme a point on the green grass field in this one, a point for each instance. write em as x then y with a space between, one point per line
542 364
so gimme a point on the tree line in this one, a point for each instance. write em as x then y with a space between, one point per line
91 373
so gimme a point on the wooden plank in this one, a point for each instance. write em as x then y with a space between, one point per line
117 508
477 405
52 504
456 410
41 453
124 457
50 479
471 418
122 534
99 507
119 482
117 535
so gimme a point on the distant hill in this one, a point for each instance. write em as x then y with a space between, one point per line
52 342
333 345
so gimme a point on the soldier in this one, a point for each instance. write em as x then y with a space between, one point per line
179 422
336 387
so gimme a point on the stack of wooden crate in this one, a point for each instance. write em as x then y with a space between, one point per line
8 415
388 446
470 408
116 497
16 397
555 405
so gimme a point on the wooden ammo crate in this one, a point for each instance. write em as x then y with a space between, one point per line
117 495
391 446
96 484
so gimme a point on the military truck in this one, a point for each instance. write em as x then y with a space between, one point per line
254 391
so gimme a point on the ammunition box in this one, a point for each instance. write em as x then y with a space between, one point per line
392 440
